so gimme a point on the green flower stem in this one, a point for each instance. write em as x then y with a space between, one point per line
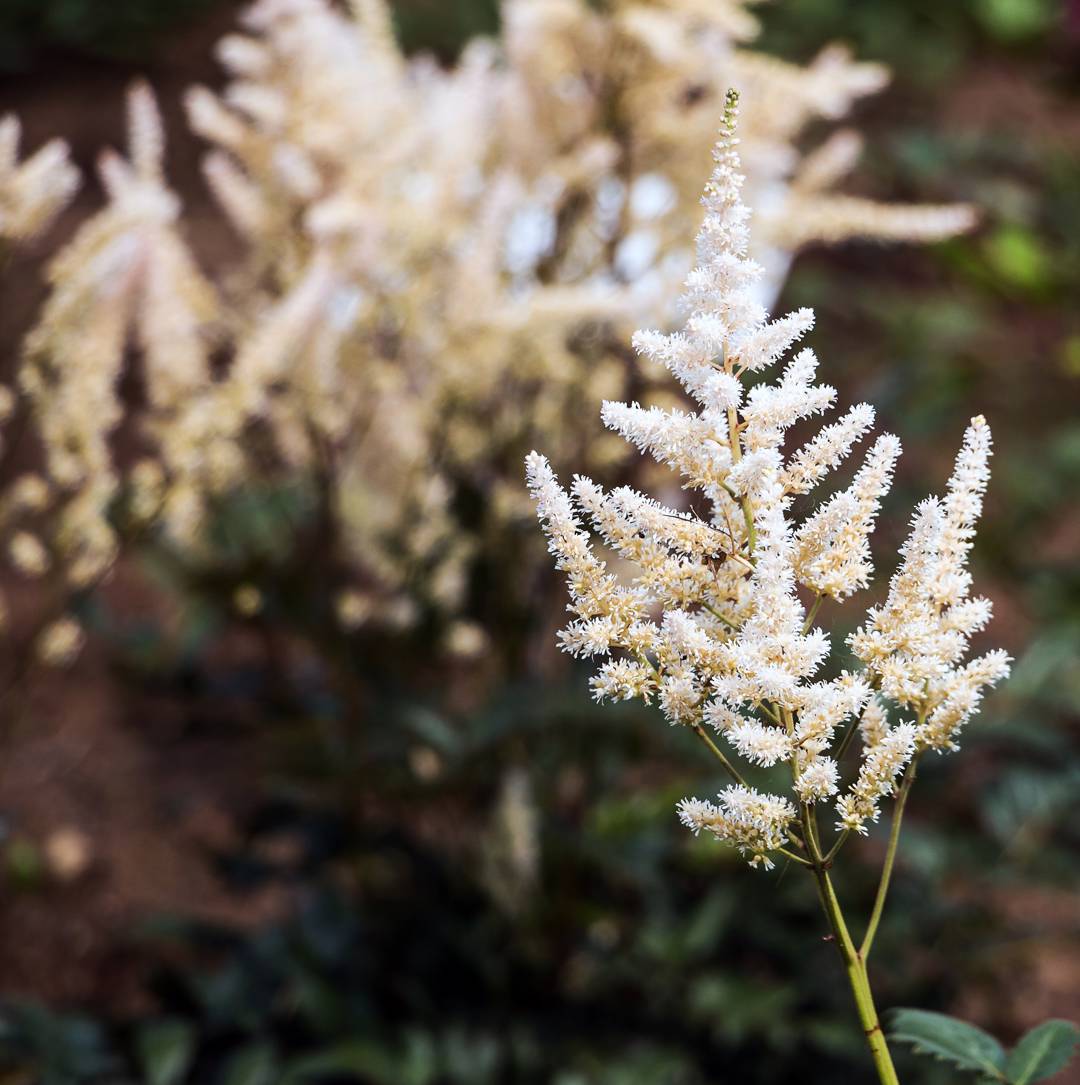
815 607
733 626
736 455
832 852
890 860
845 742
854 965
729 768
771 713
748 517
795 858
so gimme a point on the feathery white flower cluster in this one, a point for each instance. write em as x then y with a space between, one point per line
126 277
34 192
752 822
914 645
711 620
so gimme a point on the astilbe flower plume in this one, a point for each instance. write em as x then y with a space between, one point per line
32 192
126 277
712 622
710 619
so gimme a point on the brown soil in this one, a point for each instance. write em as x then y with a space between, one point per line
118 806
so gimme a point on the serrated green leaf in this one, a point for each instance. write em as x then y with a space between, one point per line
950 1040
255 1064
1042 1052
359 1059
166 1049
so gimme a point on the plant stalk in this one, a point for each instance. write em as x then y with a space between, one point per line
728 767
890 860
854 963
736 455
815 607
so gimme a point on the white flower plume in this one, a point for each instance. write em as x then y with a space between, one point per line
712 620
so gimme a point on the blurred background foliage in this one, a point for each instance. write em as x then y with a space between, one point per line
119 29
417 885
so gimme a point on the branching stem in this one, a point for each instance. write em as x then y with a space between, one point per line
795 858
733 626
813 613
845 742
837 845
854 964
890 859
736 455
729 768
770 712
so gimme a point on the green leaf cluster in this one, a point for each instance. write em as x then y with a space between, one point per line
1040 1054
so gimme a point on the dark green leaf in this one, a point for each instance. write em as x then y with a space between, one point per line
1042 1052
950 1040
255 1064
165 1050
359 1060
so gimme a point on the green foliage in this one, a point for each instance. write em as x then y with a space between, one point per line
130 29
117 29
165 1049
255 1064
1019 258
58 1049
443 26
1044 1051
1015 20
950 1040
927 42
641 955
